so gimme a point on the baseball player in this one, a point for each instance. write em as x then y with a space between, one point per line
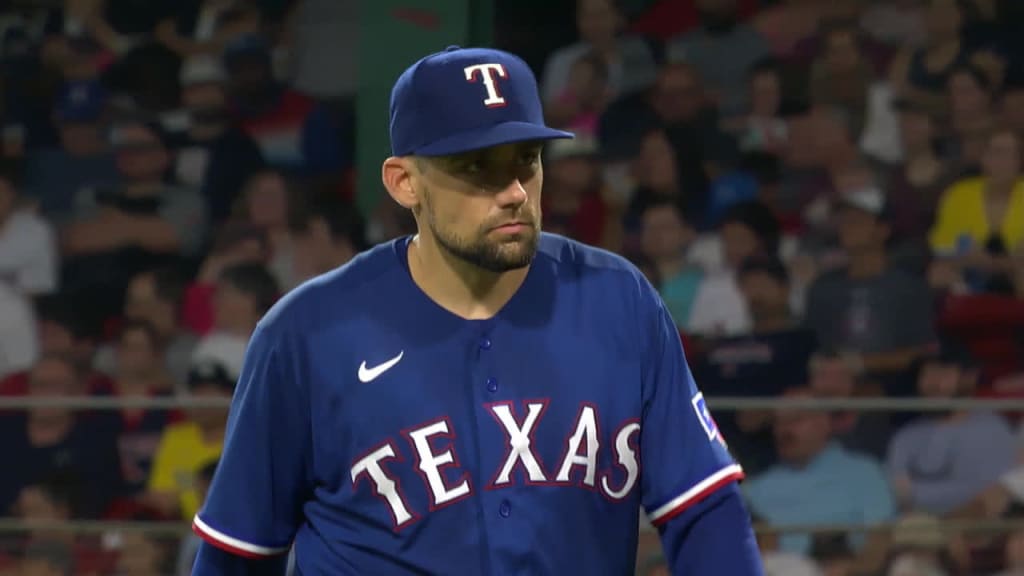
480 398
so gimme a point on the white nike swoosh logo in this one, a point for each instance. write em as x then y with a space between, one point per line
370 374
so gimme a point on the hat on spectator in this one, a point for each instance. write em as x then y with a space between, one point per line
223 349
465 99
871 200
210 372
81 101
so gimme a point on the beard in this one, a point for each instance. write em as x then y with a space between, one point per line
510 252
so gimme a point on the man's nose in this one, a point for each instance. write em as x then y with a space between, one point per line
512 195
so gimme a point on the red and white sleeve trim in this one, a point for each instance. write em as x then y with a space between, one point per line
702 490
231 544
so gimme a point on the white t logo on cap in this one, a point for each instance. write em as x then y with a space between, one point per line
489 73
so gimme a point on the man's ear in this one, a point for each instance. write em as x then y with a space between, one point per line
398 175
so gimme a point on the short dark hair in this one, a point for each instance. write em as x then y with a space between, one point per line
674 205
342 217
254 281
760 219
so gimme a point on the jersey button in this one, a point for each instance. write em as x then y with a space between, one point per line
485 343
505 509
492 385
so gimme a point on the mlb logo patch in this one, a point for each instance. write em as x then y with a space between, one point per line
700 406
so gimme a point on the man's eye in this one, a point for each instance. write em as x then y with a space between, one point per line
472 167
529 158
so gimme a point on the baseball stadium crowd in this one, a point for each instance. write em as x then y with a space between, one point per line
829 195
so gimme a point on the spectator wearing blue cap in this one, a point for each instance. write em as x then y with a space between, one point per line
83 158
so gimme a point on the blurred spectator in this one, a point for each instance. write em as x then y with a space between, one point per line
212 153
119 232
46 440
760 126
666 235
894 22
922 71
1012 107
47 558
144 554
287 125
841 75
935 462
971 96
243 294
747 229
981 219
920 545
579 107
869 306
139 373
327 236
265 204
833 374
55 177
677 107
323 45
28 250
200 29
629 64
19 342
916 184
813 468
764 363
187 447
156 297
721 49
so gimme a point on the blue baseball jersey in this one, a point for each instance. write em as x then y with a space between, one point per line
378 433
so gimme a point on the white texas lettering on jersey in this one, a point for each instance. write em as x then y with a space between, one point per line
488 74
430 464
586 429
384 486
519 442
432 458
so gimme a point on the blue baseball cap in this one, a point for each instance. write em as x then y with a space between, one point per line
465 99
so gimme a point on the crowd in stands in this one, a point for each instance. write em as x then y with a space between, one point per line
829 196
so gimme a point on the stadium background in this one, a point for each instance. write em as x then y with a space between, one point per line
828 195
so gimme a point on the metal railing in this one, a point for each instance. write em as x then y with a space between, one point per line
717 403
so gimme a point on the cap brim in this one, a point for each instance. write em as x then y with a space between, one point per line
496 135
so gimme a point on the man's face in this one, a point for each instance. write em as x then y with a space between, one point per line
765 94
483 207
967 98
915 131
136 354
143 303
664 234
831 377
209 417
678 95
1002 157
141 155
841 50
233 309
859 230
764 293
800 435
739 242
597 21
938 380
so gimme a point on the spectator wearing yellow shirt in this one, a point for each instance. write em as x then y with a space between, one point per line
189 446
980 220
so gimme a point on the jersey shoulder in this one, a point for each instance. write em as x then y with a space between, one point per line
596 268
339 293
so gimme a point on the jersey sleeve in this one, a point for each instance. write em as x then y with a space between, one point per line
684 457
254 505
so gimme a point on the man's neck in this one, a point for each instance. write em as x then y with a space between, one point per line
866 263
458 286
1000 188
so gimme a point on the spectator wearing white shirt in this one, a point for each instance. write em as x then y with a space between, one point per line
28 252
